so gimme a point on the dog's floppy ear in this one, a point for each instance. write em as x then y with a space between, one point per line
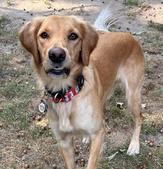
90 38
28 37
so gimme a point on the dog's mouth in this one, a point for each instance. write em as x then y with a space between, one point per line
58 72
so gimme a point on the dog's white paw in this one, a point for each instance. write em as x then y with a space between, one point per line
86 140
134 148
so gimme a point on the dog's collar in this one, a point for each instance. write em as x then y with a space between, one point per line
65 95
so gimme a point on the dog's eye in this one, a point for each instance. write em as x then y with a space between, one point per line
44 35
72 36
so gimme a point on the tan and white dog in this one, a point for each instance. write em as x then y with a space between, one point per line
78 66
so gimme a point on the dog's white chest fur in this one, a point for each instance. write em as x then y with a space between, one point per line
76 115
83 114
63 111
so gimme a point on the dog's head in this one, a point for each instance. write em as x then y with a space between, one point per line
58 44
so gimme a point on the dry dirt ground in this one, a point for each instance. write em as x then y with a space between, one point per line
25 138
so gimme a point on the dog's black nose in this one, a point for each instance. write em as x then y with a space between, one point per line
57 55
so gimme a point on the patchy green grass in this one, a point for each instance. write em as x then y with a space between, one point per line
149 128
16 93
155 25
131 2
118 96
3 21
118 116
149 158
38 131
14 114
5 34
154 38
15 89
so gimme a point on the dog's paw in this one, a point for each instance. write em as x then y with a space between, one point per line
134 148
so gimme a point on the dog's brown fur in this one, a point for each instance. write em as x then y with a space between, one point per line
102 58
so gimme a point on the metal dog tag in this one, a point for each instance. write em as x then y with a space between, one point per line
42 107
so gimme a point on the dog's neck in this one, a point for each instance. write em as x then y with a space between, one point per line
65 94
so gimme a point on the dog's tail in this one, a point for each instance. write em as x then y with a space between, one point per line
105 19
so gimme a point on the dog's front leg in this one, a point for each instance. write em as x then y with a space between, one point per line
67 152
64 141
96 145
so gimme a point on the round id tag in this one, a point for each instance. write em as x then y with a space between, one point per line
42 107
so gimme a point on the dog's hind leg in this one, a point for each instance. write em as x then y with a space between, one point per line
134 107
132 74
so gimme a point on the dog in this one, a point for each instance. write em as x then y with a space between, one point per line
78 66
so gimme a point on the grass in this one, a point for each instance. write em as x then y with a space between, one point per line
14 114
3 20
153 41
149 128
17 89
119 117
15 104
38 131
6 34
13 89
155 25
15 93
118 96
131 2
149 158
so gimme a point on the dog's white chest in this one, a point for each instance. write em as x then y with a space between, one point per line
80 114
84 115
63 111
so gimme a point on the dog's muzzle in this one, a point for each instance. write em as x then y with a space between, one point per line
57 57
